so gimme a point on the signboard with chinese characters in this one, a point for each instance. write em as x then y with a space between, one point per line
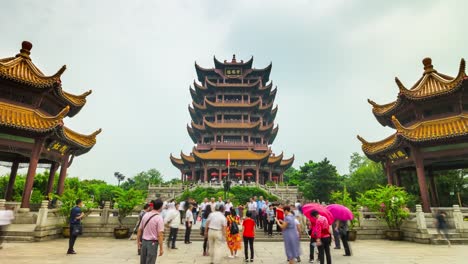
58 147
234 164
232 72
399 154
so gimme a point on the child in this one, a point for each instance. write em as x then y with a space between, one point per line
249 235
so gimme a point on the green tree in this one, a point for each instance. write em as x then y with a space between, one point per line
142 180
364 174
320 179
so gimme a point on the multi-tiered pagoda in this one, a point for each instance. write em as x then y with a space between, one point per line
32 131
431 123
232 119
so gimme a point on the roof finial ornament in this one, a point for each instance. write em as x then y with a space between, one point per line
233 58
427 62
25 50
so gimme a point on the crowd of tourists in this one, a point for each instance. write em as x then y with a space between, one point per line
225 226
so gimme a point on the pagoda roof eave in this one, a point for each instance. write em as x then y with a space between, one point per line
274 160
212 86
247 65
202 72
21 69
209 104
28 119
191 133
273 134
212 125
179 163
76 102
431 84
426 131
83 143
287 163
187 158
234 155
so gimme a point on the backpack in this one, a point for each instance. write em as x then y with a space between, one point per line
233 228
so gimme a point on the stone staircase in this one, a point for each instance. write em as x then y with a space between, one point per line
455 237
20 233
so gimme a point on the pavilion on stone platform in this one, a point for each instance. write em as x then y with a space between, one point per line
431 123
32 130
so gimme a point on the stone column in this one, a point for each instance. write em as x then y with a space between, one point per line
420 219
421 180
41 220
63 174
52 171
182 176
105 213
458 218
11 181
242 173
33 160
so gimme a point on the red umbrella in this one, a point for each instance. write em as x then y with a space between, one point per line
308 208
340 212
238 174
249 174
224 174
214 174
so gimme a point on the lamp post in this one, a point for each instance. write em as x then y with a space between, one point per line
120 177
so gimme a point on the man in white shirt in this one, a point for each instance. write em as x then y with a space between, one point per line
188 224
227 206
172 220
213 204
216 232
220 202
182 212
252 208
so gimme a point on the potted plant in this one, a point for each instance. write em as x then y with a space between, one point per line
66 202
390 203
127 200
345 199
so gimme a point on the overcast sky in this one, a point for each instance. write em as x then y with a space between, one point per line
138 58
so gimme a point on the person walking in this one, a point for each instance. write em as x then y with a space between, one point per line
321 232
188 224
260 204
172 221
240 208
205 215
441 225
146 208
182 211
233 237
313 243
75 224
280 215
248 236
252 208
6 216
270 216
216 232
228 206
336 235
151 234
290 236
342 227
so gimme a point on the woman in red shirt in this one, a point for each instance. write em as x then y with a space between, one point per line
248 235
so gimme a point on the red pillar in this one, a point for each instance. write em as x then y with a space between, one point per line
63 174
388 171
257 174
220 177
242 173
205 174
398 178
434 195
11 181
33 160
50 185
421 180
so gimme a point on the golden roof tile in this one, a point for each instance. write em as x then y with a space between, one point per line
22 69
76 100
187 158
287 162
85 141
30 119
275 159
234 155
176 161
431 84
431 130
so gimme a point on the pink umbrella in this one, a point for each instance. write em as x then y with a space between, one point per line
308 208
340 212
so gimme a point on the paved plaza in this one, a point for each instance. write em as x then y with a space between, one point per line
112 251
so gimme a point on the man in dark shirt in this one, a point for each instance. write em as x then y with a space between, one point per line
75 219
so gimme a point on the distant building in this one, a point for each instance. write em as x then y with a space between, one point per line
232 118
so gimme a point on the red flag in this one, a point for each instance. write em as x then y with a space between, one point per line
228 161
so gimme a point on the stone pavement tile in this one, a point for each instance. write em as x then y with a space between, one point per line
112 251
